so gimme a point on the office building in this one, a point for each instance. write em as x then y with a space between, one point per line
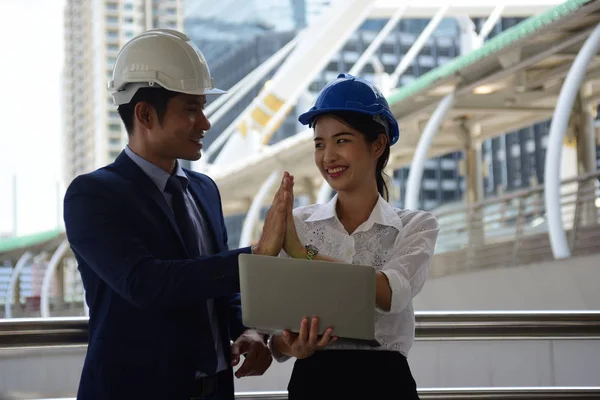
95 31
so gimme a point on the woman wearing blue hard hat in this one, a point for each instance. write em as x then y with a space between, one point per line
353 131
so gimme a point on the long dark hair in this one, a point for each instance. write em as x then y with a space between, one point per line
371 130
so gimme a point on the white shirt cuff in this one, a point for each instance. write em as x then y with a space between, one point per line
401 292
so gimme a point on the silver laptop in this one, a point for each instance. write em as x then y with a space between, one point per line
277 292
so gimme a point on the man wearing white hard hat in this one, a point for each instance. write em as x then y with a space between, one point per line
161 285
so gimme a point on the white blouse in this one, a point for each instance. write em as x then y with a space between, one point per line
400 243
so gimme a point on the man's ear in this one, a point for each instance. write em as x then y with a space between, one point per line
144 115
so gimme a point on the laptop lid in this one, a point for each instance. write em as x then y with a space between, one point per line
277 292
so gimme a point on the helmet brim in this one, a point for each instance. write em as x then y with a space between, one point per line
308 117
124 96
199 92
215 91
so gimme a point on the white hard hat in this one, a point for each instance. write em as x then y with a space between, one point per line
164 58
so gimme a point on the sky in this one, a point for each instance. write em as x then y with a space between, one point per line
31 39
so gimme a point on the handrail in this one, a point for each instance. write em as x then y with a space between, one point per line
43 332
507 325
521 393
498 325
475 393
586 176
512 229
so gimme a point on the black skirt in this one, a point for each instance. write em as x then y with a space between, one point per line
344 374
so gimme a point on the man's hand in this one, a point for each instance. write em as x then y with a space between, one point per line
271 240
258 357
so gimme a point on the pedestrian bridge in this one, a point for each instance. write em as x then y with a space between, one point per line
493 257
507 234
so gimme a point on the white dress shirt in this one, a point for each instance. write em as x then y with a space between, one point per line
399 243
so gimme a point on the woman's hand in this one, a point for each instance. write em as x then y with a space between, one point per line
306 341
291 243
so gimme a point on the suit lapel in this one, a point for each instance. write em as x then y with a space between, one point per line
135 174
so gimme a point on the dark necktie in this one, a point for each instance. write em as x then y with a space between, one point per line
175 186
182 217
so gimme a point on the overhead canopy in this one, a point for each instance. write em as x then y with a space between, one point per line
14 247
510 82
472 8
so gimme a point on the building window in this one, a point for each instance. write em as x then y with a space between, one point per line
111 19
388 48
444 51
430 194
425 70
429 174
114 127
448 174
448 195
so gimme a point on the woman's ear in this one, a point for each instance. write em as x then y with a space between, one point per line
380 144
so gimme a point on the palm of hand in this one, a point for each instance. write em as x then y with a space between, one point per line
307 340
302 348
291 241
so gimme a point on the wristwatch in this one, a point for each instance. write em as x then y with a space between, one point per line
311 251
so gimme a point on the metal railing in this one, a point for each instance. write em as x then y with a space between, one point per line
524 393
518 393
518 325
504 325
502 231
512 229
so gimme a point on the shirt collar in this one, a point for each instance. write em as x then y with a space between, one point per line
383 214
158 175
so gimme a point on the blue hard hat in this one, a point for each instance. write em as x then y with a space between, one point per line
352 93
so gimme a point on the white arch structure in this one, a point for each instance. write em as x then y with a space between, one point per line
511 81
558 128
254 211
25 259
53 264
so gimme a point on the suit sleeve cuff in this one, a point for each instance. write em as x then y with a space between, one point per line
277 356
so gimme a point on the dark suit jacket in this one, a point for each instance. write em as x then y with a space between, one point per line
149 327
